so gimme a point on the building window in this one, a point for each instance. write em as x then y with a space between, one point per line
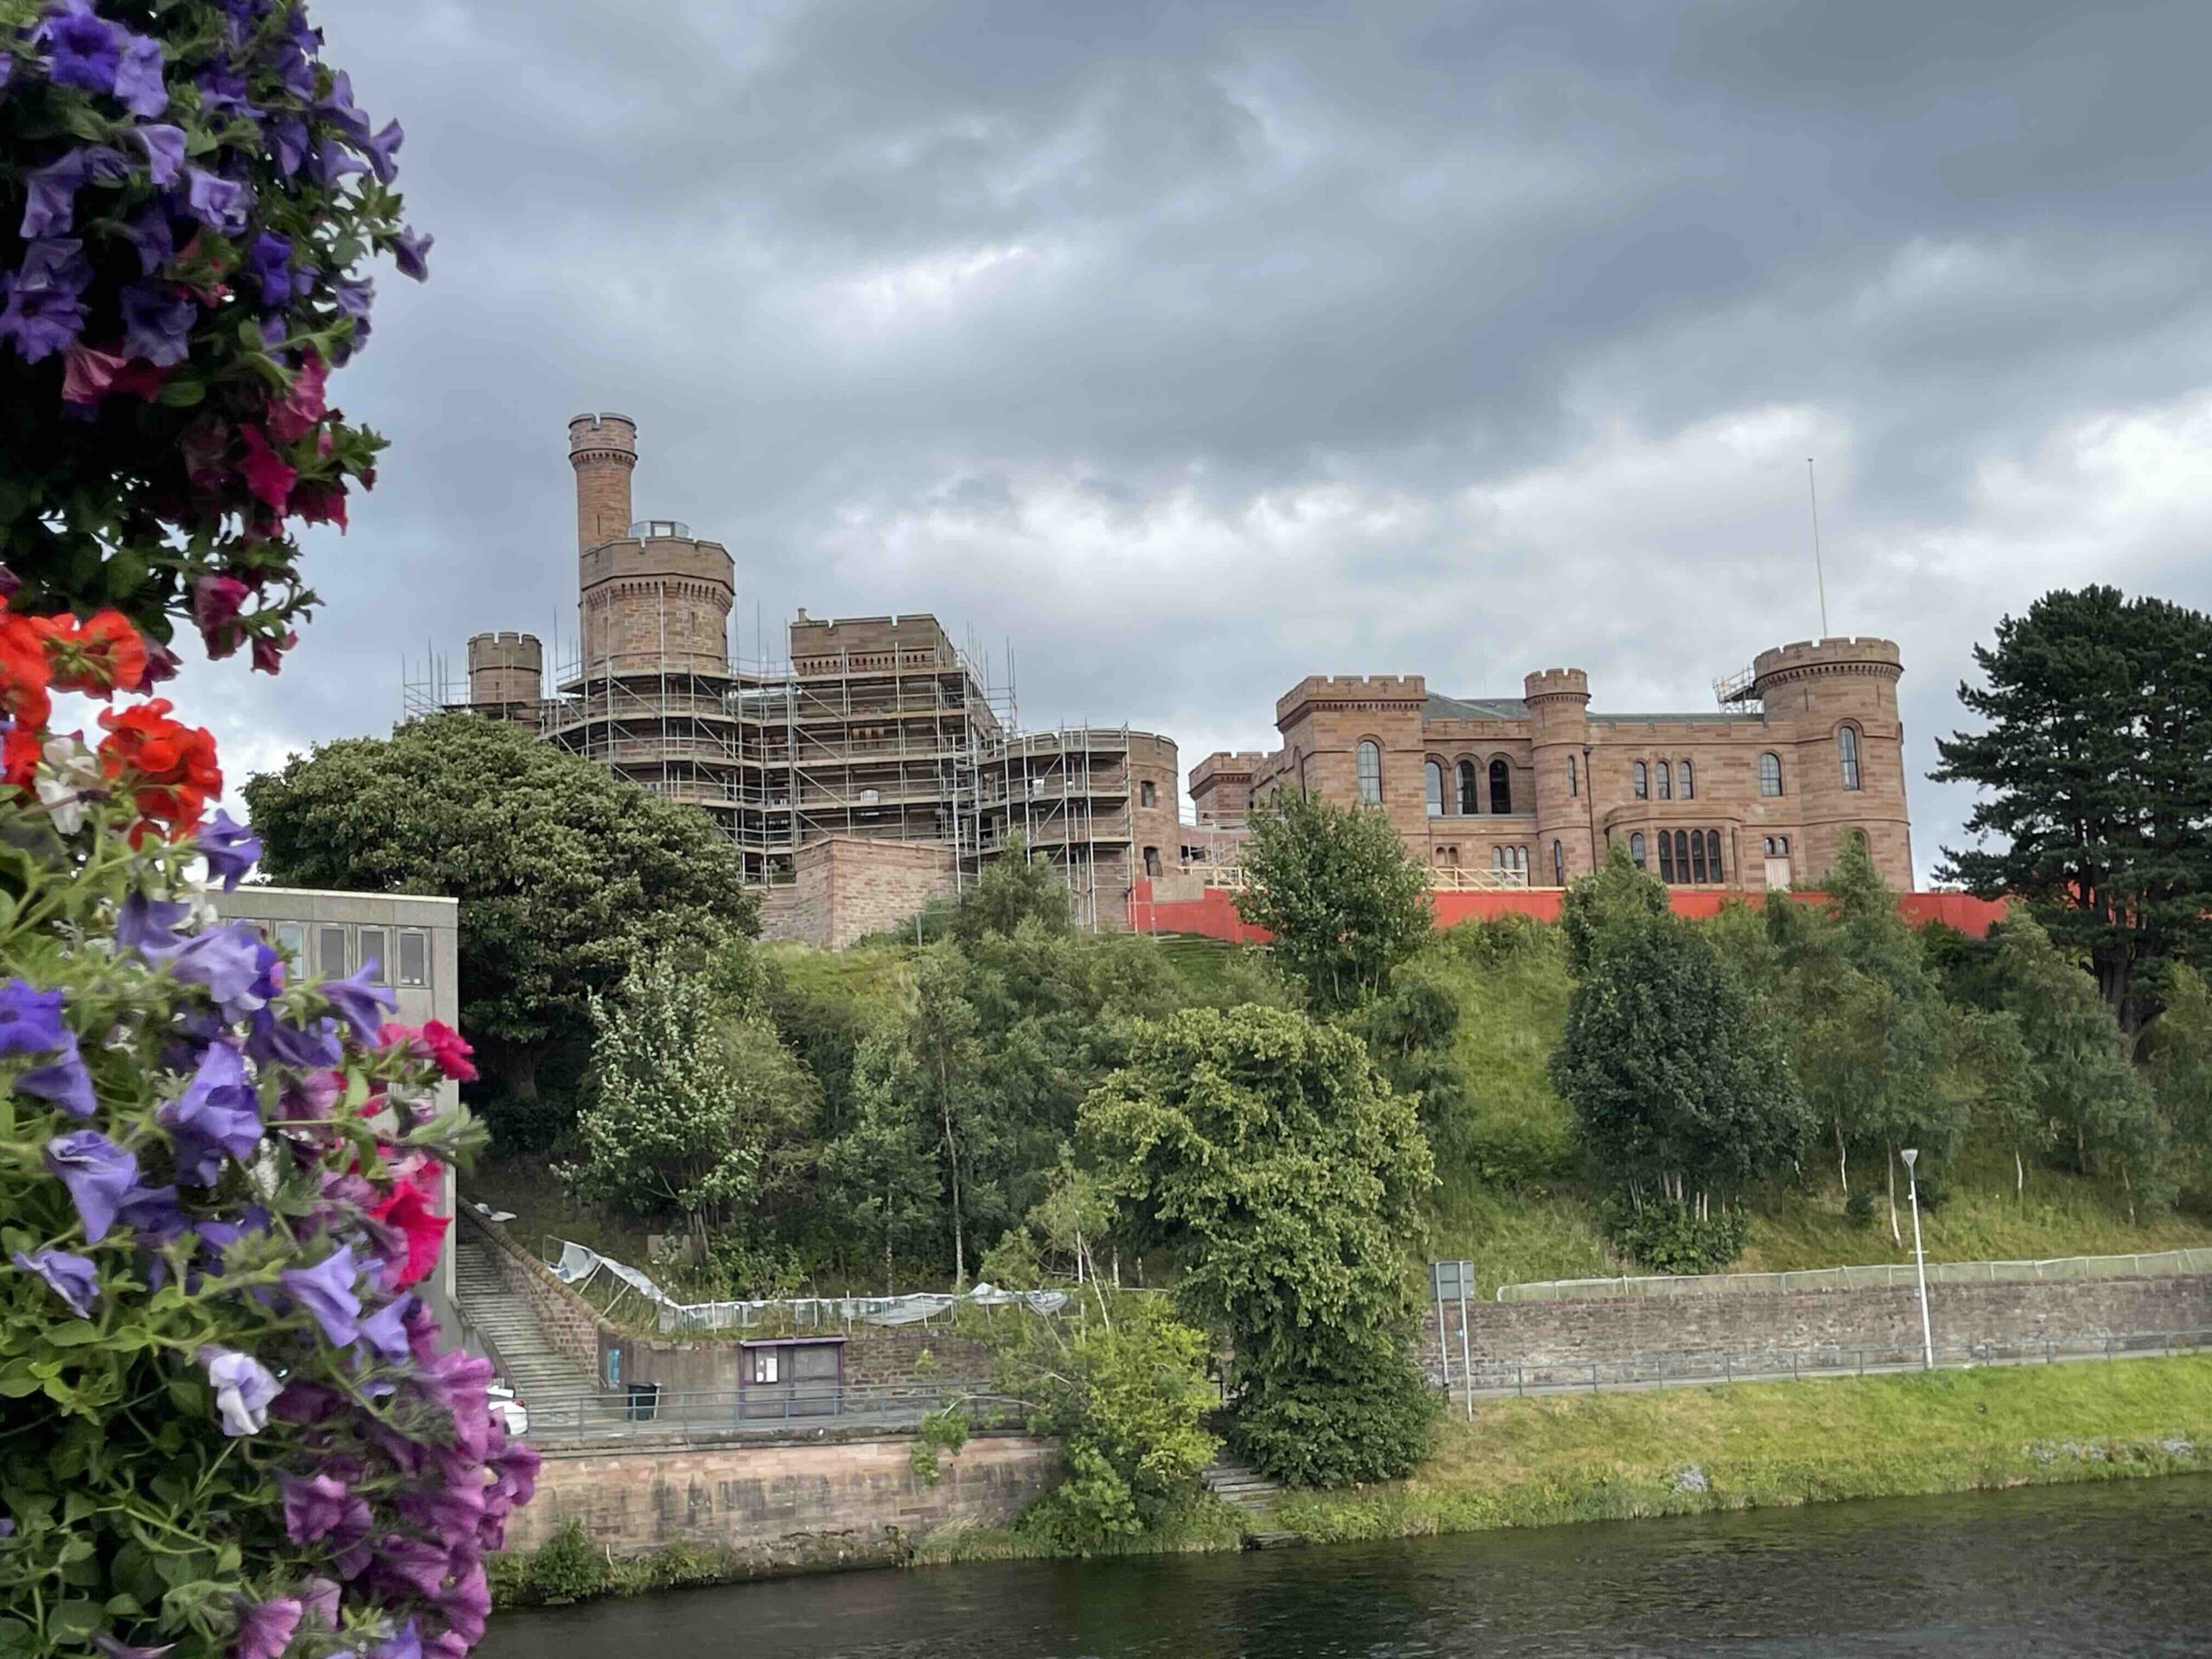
1573 779
1846 754
1713 855
292 940
1470 802
414 958
1697 857
1432 780
374 952
1636 849
1769 775
1666 782
1559 865
1501 786
330 953
1666 858
1777 846
1151 860
1370 772
1682 855
1147 794
1690 783
1640 778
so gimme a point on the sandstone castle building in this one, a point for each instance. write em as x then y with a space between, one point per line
875 765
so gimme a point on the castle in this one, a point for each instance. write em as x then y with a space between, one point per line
875 767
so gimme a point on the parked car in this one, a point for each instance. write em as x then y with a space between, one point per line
509 1409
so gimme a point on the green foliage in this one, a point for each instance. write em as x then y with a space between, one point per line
1668 1236
2095 784
568 1566
1510 978
1412 1030
2180 1064
943 1430
1365 1420
1607 904
1335 887
882 1174
1264 1152
567 875
1014 889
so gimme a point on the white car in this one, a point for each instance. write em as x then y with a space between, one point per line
509 1409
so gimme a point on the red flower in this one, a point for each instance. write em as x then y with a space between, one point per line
321 502
19 755
24 672
269 654
292 416
98 657
406 1210
266 473
450 1049
170 768
216 601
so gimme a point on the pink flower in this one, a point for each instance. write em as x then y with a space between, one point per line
320 501
87 375
266 473
265 1630
292 416
269 654
216 601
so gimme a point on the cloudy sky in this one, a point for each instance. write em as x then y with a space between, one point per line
1195 347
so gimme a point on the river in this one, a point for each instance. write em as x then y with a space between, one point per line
2118 1568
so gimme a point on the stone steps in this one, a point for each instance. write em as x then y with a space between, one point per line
530 1364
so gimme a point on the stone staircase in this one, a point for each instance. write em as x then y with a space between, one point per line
1252 1492
529 1364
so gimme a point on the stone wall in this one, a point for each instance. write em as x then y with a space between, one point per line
875 1356
821 1502
1545 1333
570 1324
844 887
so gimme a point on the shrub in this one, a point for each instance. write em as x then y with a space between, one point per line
1370 1422
1671 1237
568 1566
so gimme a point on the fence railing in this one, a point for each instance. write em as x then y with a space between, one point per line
1497 1378
1887 1275
642 1411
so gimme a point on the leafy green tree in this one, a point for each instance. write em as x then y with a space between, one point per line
1605 903
882 1175
1680 1083
1412 1030
1335 887
2180 1063
1015 887
2096 785
1262 1148
566 875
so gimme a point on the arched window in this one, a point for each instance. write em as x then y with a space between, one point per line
1370 772
1501 786
1846 754
1690 783
1666 856
1713 855
1640 777
1636 849
1682 855
1574 780
1697 857
1470 801
1147 794
1769 775
1433 777
1558 860
1151 860
1666 782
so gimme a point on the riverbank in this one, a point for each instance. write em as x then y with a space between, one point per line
1539 1462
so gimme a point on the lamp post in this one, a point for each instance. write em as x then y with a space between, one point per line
1919 1258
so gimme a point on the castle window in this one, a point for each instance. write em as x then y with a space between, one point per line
1573 781
1147 795
1846 754
1690 783
1641 776
1501 786
1559 864
1432 777
1666 782
1682 855
1151 860
1665 857
1697 857
1769 775
1470 802
1712 854
1370 773
1636 849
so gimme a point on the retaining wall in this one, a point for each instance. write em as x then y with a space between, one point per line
874 1356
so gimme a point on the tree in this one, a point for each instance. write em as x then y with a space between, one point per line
1263 1151
1334 886
1411 1031
1014 887
2096 773
882 1174
567 875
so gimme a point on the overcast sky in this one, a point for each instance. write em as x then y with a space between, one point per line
1194 347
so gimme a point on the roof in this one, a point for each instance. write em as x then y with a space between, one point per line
1443 707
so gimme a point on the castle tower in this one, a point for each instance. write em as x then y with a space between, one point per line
1831 709
1559 731
603 449
504 671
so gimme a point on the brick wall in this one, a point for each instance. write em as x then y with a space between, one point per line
875 1356
787 1506
844 887
1539 1333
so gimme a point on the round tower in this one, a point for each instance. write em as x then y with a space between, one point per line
1559 733
1831 708
603 449
505 669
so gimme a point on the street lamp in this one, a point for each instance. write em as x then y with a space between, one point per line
1919 1258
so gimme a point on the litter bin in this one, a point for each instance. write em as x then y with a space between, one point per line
644 1401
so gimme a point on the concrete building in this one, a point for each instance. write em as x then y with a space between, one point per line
1804 747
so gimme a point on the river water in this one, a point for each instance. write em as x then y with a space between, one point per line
2118 1568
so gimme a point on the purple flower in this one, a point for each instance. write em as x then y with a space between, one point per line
45 310
353 295
73 1278
244 1388
340 108
30 1019
408 1645
97 1174
138 77
288 136
325 1290
229 848
411 1566
268 263
383 148
318 1601
149 925
222 205
165 148
361 1000
156 323
215 1115
413 252
266 1628
149 233
313 1046
65 1082
53 195
229 962
222 88
87 50
314 1505
333 161
386 1329
153 1213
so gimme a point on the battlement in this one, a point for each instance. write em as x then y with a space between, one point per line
1222 763
603 437
1556 683
1831 655
1352 689
506 646
506 667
